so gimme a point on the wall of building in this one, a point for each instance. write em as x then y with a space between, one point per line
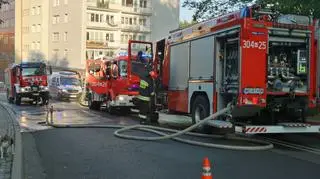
7 15
92 27
165 18
66 33
6 51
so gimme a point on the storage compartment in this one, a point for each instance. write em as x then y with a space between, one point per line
288 66
201 59
179 66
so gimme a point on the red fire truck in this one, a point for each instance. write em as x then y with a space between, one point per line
27 80
262 61
116 81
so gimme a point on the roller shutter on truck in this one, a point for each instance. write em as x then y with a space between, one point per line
179 66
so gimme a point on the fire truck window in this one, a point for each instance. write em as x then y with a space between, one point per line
138 68
115 70
33 71
123 68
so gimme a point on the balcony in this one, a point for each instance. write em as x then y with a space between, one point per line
130 27
135 28
94 44
103 25
137 10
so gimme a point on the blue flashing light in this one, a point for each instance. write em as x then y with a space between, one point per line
123 54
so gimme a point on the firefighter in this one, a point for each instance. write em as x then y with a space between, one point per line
115 70
146 97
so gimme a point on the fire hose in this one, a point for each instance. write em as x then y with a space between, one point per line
157 130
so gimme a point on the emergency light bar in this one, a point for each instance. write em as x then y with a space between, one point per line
123 54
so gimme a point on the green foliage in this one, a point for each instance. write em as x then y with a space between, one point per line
184 24
205 9
2 2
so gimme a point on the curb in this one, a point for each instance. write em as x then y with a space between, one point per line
17 170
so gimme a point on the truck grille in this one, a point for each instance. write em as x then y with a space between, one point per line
73 91
35 88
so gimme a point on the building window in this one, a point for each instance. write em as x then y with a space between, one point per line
39 28
65 37
142 22
38 45
33 28
143 3
128 3
33 45
55 19
56 3
33 10
55 36
97 18
130 21
122 20
127 20
55 52
92 17
66 17
101 17
109 37
65 53
38 10
88 36
122 38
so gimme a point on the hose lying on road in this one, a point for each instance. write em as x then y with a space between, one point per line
156 130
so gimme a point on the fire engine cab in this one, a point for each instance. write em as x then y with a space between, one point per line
27 80
263 62
115 82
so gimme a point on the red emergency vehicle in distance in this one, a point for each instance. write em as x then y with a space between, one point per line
116 81
27 80
262 61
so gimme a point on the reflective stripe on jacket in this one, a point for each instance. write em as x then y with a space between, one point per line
143 98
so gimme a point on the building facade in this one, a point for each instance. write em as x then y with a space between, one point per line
67 32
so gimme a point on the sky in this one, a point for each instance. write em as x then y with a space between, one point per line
185 14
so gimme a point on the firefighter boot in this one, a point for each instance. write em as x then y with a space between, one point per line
143 112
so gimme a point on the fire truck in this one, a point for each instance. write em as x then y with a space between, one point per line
263 62
114 82
27 80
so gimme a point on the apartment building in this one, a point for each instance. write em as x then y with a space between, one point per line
67 32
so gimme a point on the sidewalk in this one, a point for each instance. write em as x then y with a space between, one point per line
314 120
5 128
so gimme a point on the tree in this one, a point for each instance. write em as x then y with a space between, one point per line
205 9
184 24
2 2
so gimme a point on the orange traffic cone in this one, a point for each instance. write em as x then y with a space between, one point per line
206 169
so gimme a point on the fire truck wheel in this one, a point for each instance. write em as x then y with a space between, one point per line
200 110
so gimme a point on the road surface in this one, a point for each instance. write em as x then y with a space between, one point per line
97 154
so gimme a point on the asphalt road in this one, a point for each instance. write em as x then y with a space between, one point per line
96 153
